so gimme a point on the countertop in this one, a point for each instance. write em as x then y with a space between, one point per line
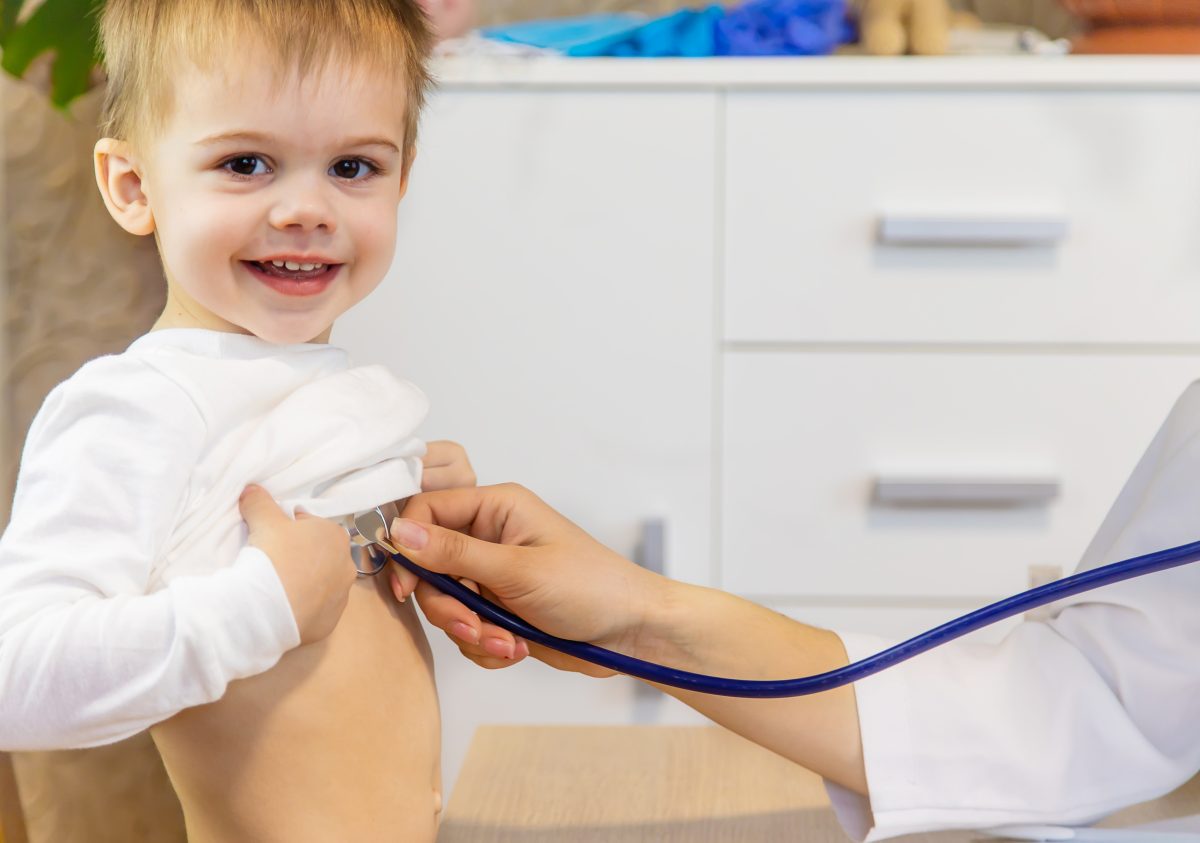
620 784
827 72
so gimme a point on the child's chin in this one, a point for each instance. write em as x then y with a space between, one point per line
289 335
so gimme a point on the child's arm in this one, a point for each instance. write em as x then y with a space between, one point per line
86 656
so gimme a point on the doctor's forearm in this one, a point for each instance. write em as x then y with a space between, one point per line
713 632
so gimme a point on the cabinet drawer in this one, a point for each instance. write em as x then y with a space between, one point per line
807 437
1097 196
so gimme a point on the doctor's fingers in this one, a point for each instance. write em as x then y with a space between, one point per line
476 638
403 581
507 513
501 567
561 661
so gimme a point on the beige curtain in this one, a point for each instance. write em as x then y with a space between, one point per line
77 287
12 825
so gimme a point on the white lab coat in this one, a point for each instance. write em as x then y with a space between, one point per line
1063 721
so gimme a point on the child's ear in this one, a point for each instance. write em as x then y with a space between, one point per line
412 156
120 183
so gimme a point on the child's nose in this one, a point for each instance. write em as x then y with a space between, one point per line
303 208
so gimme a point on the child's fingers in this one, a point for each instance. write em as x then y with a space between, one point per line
435 479
446 467
443 452
259 510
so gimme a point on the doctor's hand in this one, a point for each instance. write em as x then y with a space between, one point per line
530 559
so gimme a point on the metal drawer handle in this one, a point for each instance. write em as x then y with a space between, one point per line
651 554
651 550
910 491
950 229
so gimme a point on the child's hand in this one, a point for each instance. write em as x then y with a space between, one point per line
446 467
311 556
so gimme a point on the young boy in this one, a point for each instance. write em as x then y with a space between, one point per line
266 145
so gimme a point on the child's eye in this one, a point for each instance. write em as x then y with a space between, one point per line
245 165
354 169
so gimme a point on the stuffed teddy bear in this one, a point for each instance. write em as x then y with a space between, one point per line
895 27
450 18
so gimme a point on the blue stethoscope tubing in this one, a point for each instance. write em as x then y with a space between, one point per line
658 674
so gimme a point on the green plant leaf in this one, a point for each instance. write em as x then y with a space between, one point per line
9 9
65 27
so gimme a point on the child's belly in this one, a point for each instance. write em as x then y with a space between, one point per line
339 741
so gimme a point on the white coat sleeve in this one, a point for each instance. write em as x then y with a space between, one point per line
87 657
1066 720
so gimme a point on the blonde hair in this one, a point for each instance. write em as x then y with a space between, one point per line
142 40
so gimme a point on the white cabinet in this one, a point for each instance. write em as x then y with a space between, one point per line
808 437
657 291
553 294
1111 177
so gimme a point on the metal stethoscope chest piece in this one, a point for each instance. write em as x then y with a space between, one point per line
369 538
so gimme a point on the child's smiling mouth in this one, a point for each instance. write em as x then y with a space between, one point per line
294 276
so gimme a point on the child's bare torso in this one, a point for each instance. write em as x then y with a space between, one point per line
339 741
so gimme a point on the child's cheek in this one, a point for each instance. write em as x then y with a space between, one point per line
377 239
202 237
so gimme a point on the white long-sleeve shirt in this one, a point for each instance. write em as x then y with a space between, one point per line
127 589
1063 721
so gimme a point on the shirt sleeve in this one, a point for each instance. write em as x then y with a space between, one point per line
1065 720
87 657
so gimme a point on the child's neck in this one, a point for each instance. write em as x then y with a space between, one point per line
176 314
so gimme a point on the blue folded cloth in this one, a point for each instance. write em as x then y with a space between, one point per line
783 28
755 28
686 33
588 35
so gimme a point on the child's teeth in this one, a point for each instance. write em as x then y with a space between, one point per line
295 266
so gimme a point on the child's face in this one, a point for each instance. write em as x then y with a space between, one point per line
247 174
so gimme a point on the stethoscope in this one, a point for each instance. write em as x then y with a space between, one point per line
372 550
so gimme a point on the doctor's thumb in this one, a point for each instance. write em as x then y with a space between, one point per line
449 552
